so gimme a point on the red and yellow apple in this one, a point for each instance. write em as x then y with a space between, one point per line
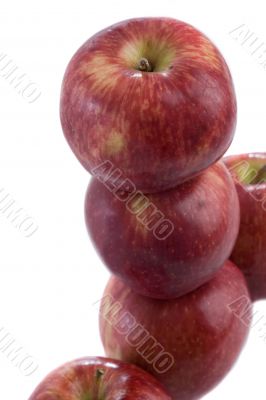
164 245
154 97
189 344
94 378
249 253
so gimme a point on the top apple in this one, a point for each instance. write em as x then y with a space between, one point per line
151 97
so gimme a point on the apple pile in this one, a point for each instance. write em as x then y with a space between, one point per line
148 108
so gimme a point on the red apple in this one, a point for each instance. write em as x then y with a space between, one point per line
166 244
189 344
249 172
93 378
152 96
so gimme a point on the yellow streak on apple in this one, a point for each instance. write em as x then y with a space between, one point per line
114 144
203 51
104 75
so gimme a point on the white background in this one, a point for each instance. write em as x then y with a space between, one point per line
50 280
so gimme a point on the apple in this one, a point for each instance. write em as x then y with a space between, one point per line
189 344
93 378
249 253
164 245
153 97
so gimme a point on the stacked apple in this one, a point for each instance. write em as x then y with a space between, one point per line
148 107
249 173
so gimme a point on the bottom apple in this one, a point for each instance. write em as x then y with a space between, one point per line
190 343
97 378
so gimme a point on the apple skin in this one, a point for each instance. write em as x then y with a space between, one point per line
204 213
200 331
159 128
249 252
93 378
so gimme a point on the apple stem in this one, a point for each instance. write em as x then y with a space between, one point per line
144 65
99 374
261 175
